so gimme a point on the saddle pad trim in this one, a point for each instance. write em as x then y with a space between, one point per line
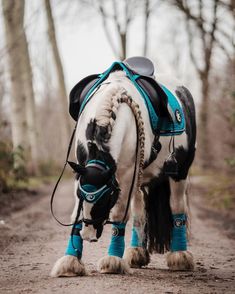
162 125
174 107
104 76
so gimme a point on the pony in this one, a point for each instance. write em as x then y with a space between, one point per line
124 171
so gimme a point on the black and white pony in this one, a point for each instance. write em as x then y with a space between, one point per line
122 161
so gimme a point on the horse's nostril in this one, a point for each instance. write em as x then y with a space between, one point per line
93 240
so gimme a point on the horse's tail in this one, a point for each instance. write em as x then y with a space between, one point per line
158 215
190 116
106 117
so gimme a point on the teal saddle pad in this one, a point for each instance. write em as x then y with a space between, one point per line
165 111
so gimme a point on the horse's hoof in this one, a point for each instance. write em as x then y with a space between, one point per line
136 257
180 261
113 265
68 266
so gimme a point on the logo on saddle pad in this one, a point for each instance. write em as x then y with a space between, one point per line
178 116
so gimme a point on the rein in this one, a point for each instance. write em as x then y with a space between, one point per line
60 177
88 222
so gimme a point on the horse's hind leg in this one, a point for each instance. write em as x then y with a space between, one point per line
179 258
137 255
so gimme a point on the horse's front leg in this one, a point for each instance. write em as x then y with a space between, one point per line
137 254
179 258
113 262
71 264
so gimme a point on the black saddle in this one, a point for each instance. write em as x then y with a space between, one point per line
140 71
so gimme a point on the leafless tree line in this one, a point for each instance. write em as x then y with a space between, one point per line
23 110
207 30
205 27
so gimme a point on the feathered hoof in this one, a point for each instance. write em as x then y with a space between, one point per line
180 261
113 265
136 257
68 266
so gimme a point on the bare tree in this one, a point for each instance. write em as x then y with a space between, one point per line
203 29
148 7
122 13
13 13
65 122
117 17
222 122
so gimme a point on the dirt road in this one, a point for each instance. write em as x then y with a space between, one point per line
32 242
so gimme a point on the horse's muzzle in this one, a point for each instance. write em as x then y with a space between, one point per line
88 233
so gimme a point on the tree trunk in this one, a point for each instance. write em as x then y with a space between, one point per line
30 105
204 122
13 13
60 73
123 37
146 27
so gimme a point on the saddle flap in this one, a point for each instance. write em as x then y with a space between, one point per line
156 95
78 94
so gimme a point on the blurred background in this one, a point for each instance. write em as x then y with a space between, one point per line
46 46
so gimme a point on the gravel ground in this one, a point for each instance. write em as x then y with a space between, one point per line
31 241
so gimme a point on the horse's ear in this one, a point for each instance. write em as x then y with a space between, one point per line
81 170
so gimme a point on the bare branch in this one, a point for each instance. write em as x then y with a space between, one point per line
146 25
208 37
211 41
201 26
127 15
222 47
182 5
229 6
191 49
122 33
115 17
105 26
224 34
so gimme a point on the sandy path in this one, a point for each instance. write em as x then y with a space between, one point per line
35 242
